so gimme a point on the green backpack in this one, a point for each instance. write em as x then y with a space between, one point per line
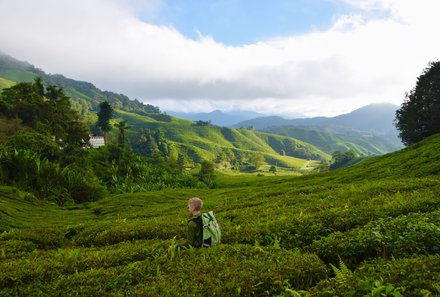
211 230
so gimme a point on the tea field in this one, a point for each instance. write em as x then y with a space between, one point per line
372 229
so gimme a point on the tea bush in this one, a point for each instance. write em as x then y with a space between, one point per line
391 237
43 238
16 248
152 268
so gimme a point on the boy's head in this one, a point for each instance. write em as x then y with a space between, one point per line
195 204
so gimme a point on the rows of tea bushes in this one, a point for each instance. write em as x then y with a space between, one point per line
159 268
322 235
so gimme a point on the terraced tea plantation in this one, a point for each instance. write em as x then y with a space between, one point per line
372 229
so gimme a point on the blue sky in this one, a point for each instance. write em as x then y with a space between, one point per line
238 22
316 57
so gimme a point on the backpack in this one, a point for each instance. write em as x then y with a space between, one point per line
211 230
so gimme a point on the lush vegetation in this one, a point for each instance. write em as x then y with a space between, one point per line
368 130
370 229
44 150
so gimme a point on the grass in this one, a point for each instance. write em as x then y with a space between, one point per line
281 236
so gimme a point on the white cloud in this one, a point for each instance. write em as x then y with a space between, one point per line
359 60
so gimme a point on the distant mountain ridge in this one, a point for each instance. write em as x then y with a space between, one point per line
223 118
217 117
378 117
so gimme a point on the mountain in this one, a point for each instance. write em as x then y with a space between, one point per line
374 117
222 118
367 130
378 117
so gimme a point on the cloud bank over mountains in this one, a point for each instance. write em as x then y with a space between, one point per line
374 55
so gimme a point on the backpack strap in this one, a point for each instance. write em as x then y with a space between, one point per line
197 220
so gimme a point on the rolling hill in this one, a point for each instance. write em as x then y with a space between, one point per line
206 142
367 230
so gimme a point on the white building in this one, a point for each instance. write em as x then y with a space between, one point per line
97 141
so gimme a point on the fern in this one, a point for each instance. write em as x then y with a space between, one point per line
342 275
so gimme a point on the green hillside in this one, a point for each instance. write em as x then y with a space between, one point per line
364 143
207 142
5 83
372 229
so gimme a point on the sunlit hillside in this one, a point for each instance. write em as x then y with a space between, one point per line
206 142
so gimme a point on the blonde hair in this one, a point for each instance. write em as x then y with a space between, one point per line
196 203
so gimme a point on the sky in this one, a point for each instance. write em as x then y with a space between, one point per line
313 57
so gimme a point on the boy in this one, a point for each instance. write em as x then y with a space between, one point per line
195 225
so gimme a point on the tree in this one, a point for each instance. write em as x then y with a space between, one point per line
180 162
339 159
273 169
122 127
105 113
207 173
47 112
38 82
419 115
257 159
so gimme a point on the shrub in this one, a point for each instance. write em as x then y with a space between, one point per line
391 237
43 238
48 180
161 268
